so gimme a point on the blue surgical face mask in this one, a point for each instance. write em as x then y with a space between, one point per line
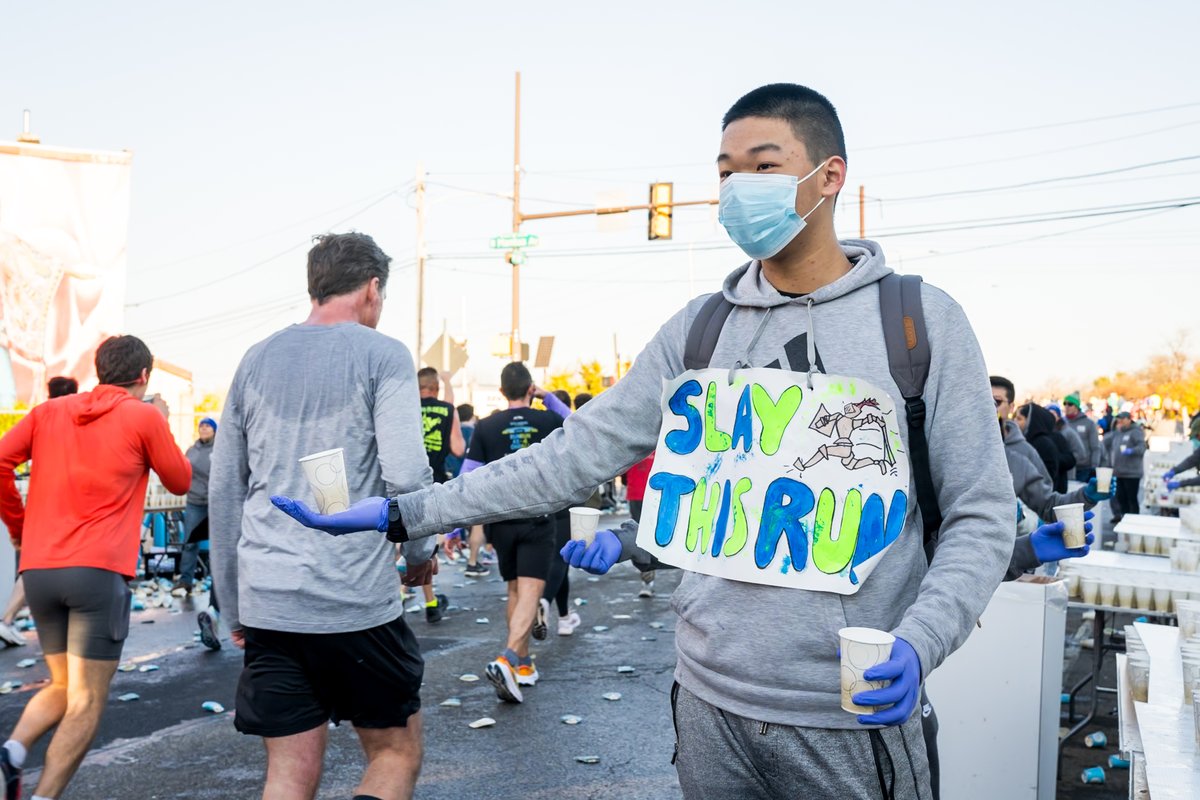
759 210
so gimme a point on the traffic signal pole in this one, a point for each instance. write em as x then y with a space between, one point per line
515 256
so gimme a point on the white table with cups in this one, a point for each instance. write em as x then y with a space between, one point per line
1159 711
1110 583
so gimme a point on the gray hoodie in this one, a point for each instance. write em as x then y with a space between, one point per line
1132 465
763 652
1015 441
200 456
1035 490
1087 431
1078 448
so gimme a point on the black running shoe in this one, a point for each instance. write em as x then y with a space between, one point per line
435 613
208 621
12 776
476 571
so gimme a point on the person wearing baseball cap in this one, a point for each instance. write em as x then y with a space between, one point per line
1126 448
1086 429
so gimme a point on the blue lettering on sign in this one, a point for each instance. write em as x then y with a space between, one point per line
686 440
787 502
673 488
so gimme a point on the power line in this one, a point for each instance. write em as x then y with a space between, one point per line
240 273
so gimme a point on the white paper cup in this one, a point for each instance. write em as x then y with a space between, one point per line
1089 589
326 473
1133 542
1162 599
1104 476
1150 545
1072 579
862 648
583 524
1125 595
1144 595
1072 518
1108 593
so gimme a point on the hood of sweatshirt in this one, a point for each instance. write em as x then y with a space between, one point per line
1039 422
91 406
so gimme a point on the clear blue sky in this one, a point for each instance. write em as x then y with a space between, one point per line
256 125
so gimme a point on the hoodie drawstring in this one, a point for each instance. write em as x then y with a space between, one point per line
744 361
812 346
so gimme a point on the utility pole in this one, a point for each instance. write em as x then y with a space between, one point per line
420 262
513 255
862 212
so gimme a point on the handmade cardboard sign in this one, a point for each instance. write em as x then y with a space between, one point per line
766 481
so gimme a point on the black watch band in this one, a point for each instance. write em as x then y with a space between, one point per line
396 532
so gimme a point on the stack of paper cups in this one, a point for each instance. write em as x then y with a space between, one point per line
326 473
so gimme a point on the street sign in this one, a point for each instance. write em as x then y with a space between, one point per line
514 241
545 347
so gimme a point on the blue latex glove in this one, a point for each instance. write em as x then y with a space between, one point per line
1168 475
1126 451
1094 495
1172 485
597 558
903 669
365 515
1048 544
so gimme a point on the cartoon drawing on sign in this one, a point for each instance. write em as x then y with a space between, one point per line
845 448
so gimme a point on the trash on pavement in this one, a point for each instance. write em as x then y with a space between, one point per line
612 696
588 759
129 697
451 702
26 663
468 678
626 670
213 707
485 722
570 719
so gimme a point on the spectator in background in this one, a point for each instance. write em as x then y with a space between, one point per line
55 387
563 396
1038 426
443 438
195 518
475 537
1004 394
1078 448
1127 446
582 399
1088 433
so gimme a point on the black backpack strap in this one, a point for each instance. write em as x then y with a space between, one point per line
705 331
907 341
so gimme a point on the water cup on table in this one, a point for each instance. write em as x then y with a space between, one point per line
1139 676
1162 599
1191 671
1125 595
1104 477
1150 545
326 474
583 524
1071 516
1089 590
1108 593
862 648
1196 714
1133 542
1072 579
1144 596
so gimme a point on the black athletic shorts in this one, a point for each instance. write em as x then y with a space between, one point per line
524 547
294 682
83 611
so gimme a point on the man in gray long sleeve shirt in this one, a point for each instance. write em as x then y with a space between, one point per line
758 695
321 619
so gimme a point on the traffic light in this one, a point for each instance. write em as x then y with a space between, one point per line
661 195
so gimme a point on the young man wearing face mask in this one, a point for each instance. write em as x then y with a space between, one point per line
757 701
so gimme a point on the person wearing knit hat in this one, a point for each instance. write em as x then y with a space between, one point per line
195 514
1078 448
1088 433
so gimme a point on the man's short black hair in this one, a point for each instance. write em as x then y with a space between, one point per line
61 386
427 378
582 399
1010 391
466 412
341 263
121 359
515 381
813 118
564 396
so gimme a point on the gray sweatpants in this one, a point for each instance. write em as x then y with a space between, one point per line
721 755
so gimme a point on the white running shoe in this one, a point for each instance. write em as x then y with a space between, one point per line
647 589
568 624
540 625
9 635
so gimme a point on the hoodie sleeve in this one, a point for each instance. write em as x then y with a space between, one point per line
165 457
1037 493
973 487
1191 462
228 485
15 449
610 434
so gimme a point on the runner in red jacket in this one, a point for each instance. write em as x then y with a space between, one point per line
78 533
